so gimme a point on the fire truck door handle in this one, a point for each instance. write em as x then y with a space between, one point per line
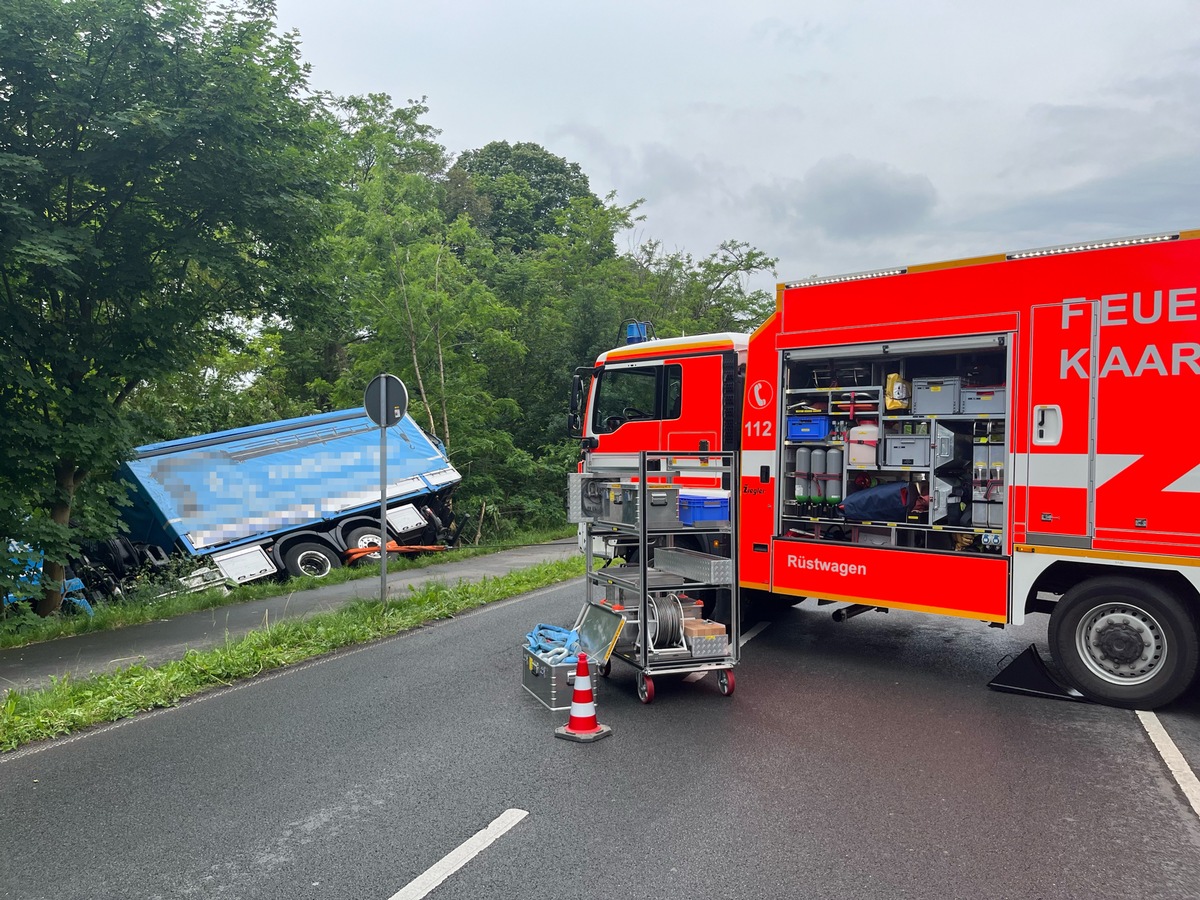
1048 517
764 474
1048 425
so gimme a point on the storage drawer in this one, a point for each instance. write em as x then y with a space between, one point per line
990 401
936 396
906 450
807 428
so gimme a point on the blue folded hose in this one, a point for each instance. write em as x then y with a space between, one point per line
554 644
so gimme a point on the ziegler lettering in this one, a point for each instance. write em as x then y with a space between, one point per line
824 565
1174 305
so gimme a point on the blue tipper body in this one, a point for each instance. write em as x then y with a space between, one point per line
232 487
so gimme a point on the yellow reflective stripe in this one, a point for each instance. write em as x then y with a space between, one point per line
913 607
958 263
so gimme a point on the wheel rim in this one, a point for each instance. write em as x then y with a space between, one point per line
313 563
1121 643
369 540
645 687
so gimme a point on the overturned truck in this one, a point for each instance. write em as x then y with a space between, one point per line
298 496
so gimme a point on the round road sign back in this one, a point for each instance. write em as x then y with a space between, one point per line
386 400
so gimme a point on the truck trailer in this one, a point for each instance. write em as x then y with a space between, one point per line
291 496
988 438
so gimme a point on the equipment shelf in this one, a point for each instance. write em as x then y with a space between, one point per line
945 435
674 604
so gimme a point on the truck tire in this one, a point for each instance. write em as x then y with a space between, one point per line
310 559
364 537
1125 642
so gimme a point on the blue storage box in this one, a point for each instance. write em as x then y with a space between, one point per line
697 507
807 428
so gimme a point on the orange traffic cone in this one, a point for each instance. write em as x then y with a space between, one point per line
582 726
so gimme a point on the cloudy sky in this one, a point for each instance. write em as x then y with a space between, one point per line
837 136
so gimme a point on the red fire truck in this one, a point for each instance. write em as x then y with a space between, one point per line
985 438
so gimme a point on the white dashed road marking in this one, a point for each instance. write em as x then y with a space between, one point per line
459 856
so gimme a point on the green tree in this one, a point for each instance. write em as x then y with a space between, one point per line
231 387
686 297
161 170
518 189
389 164
570 295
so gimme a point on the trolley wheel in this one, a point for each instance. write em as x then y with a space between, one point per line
645 686
605 668
725 681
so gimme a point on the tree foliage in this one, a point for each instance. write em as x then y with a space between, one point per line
523 189
161 167
191 241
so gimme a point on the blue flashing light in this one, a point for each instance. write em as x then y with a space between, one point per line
636 332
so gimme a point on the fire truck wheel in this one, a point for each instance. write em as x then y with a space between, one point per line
645 688
364 537
1125 642
311 559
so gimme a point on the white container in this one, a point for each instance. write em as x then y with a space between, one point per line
862 447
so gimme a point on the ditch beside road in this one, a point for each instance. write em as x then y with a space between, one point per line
153 643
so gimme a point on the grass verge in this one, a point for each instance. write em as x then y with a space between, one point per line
144 604
70 705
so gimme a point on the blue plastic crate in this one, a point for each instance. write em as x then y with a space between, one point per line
807 428
696 509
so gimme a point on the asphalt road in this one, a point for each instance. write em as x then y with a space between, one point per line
856 760
153 643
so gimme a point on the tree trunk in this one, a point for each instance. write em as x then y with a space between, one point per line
479 528
442 380
55 573
437 332
412 343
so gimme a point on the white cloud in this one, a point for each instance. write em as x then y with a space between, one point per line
838 135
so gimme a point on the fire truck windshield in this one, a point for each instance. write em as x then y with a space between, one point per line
644 392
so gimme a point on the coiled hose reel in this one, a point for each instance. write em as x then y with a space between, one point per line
664 625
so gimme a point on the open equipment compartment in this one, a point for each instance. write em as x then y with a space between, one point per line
902 446
677 589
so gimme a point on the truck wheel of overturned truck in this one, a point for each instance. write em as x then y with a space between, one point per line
1125 642
364 537
311 559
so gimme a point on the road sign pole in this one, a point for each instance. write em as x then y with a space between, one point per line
386 409
383 529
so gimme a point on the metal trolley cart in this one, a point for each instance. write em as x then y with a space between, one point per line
672 522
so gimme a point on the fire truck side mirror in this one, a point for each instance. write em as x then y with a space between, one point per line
574 423
576 394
